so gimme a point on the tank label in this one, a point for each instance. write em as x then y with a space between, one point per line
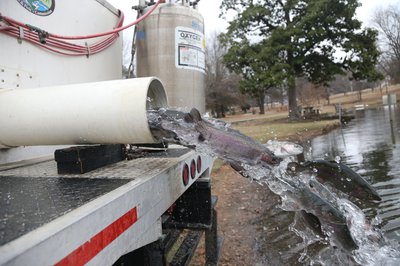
189 49
38 7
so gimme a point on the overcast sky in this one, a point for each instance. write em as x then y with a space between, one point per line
210 11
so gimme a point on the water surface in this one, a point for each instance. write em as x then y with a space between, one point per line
371 148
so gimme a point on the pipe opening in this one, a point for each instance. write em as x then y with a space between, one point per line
156 96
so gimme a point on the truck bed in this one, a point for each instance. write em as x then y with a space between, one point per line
47 218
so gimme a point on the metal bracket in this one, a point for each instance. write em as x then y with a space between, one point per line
42 34
83 159
21 35
193 209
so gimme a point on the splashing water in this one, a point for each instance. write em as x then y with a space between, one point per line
374 248
335 221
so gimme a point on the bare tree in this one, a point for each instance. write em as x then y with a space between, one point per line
387 22
309 93
222 86
278 94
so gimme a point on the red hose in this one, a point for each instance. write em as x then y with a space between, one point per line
57 46
116 30
55 43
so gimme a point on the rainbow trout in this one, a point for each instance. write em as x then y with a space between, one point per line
338 176
214 138
323 217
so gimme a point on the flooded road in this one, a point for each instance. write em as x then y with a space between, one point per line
372 149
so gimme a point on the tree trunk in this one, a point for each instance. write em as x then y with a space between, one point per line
328 96
221 111
294 113
261 101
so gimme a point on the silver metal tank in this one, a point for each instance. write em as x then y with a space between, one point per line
171 46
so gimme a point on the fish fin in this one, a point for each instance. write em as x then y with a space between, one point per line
239 169
193 117
201 138
236 167
311 218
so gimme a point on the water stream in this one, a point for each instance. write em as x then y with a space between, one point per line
311 223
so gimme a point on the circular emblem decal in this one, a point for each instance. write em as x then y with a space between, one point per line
38 7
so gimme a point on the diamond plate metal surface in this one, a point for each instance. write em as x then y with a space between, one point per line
151 164
34 195
26 203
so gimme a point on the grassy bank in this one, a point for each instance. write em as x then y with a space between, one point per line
293 131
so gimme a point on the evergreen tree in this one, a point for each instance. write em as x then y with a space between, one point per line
299 38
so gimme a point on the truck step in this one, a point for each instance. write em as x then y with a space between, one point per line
186 250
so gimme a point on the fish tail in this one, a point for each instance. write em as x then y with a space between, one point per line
193 117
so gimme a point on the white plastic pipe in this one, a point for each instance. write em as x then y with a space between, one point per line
109 112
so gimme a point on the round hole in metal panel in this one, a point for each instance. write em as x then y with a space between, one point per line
198 164
185 174
193 169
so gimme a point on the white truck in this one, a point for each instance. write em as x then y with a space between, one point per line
81 179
